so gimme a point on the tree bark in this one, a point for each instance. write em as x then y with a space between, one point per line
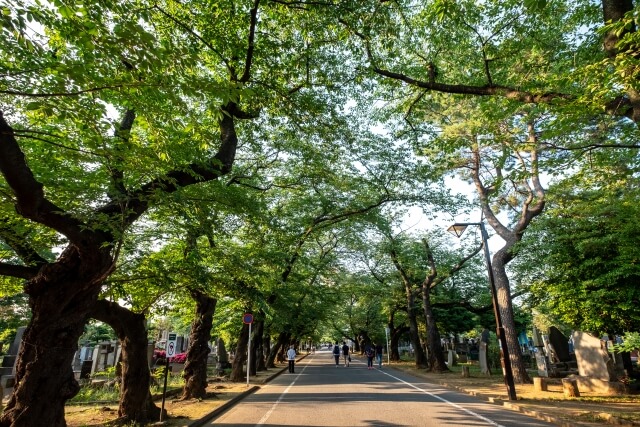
265 350
195 368
613 11
136 404
420 357
505 306
394 341
436 355
256 342
237 372
282 339
60 297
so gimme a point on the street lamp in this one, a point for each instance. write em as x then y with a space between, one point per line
458 229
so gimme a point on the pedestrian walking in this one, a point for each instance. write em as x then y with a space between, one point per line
379 350
291 357
345 354
336 353
370 352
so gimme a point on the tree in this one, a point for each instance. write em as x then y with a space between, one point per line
585 248
168 93
432 279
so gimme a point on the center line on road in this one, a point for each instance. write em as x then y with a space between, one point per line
455 405
266 416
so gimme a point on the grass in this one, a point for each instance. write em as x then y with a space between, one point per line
98 394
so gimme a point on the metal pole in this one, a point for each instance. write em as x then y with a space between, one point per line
386 332
506 361
164 389
249 355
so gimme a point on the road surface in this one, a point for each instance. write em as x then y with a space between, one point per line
319 394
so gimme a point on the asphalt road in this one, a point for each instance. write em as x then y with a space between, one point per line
319 394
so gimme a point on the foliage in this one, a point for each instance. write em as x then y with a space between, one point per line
630 342
14 312
585 251
95 332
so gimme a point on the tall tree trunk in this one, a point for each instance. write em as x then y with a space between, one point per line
135 404
420 357
256 344
256 341
436 355
518 367
282 339
237 373
265 350
60 297
395 342
195 368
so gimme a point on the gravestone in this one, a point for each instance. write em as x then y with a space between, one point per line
451 358
223 357
150 347
484 336
105 355
8 368
559 346
482 358
85 369
593 359
180 344
542 364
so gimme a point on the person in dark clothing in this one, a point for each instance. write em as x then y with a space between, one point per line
336 353
345 354
370 352
379 350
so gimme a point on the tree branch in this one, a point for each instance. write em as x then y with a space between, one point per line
251 43
19 271
31 202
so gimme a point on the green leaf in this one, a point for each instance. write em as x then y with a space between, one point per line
66 12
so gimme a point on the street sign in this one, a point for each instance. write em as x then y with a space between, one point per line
247 318
172 344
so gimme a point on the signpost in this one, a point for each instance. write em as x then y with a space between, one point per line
247 319
170 351
386 333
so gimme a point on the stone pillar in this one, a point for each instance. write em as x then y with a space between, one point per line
482 358
451 358
465 372
570 387
540 384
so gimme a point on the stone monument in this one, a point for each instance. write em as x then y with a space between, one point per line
8 368
595 365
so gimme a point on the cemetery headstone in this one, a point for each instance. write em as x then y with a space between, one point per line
559 345
484 336
483 360
223 356
593 359
451 358
8 368
541 363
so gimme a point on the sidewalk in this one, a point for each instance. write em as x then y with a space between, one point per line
589 410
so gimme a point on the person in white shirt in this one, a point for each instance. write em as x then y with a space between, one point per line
291 357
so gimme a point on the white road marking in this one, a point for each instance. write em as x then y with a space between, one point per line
455 405
266 416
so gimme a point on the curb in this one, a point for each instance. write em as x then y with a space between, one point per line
609 419
223 407
227 405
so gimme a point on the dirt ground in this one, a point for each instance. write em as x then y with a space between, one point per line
589 410
180 412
